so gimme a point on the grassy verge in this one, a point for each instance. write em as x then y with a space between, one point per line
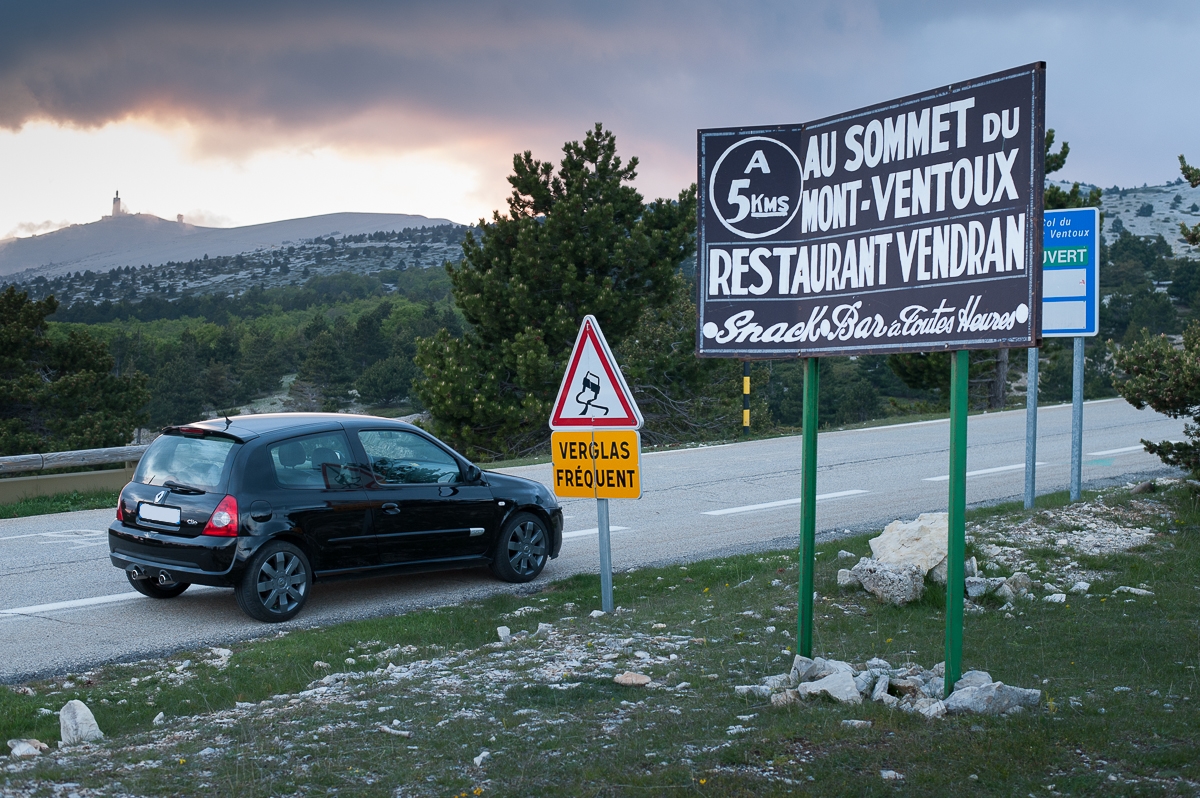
60 503
275 720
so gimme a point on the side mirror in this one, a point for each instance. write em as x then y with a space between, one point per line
473 473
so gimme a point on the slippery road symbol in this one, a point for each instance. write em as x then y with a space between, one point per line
593 394
590 393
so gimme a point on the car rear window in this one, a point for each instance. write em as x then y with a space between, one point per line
197 462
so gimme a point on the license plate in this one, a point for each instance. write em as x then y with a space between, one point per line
158 514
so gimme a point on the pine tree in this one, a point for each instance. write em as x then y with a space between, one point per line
1192 175
575 241
1167 378
60 392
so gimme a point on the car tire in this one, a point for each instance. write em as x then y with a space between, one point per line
521 550
148 587
275 584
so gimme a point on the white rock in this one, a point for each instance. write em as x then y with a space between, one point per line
631 679
847 555
881 688
857 724
543 630
597 614
77 724
504 633
778 682
1055 598
991 699
894 584
864 681
159 719
1133 591
803 669
891 775
396 732
1080 588
1004 592
1019 583
755 690
26 748
321 665
846 578
977 586
876 662
970 567
838 686
930 708
823 667
785 698
483 757
921 542
973 679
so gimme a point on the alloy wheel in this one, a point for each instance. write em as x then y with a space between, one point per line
282 582
527 548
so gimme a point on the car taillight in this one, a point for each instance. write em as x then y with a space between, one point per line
223 522
121 507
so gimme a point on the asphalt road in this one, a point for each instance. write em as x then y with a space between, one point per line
64 608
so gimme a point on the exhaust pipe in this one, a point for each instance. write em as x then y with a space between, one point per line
137 573
164 578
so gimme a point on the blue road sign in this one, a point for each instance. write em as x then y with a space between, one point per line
1071 273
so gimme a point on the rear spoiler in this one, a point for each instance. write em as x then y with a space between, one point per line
194 431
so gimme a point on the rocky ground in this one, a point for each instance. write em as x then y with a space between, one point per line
656 690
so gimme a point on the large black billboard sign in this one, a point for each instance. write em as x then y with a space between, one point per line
910 226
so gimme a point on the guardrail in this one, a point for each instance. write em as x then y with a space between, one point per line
21 463
17 488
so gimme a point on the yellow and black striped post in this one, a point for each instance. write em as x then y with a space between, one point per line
745 397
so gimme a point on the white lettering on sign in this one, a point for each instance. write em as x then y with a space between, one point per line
843 323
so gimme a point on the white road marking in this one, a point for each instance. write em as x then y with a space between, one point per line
983 471
750 508
67 605
88 602
1122 450
58 534
593 531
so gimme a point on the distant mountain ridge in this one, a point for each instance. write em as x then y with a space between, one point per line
140 239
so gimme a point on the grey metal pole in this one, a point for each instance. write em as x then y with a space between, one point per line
1077 422
1031 402
606 587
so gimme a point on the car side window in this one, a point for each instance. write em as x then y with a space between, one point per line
316 462
399 457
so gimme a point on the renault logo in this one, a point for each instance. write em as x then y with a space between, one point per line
158 498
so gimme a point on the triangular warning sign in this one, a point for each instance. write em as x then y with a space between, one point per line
593 391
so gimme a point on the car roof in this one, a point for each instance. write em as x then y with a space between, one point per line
252 426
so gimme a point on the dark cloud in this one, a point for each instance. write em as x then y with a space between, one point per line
485 76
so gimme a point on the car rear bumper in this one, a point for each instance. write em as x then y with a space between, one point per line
201 560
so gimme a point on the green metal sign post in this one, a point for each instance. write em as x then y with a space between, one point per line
808 508
956 527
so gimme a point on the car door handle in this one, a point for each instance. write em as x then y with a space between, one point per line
391 508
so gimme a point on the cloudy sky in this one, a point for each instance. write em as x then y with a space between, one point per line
236 113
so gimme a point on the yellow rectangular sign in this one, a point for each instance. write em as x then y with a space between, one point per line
600 464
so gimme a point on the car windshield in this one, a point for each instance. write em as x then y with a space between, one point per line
192 462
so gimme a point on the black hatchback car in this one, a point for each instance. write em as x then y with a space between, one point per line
266 504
